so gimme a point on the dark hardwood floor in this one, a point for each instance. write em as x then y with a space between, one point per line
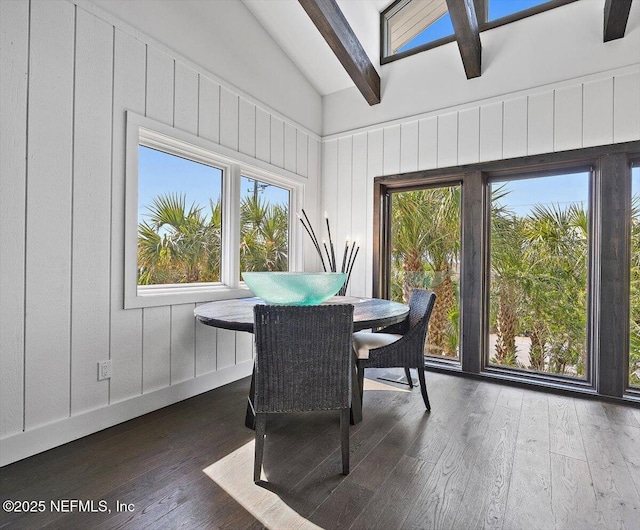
486 456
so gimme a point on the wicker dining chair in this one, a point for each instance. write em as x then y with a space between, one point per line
400 345
303 363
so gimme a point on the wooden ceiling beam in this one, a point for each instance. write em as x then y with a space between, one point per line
465 25
616 14
335 29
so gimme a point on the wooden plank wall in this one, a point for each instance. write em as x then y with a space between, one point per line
68 78
594 112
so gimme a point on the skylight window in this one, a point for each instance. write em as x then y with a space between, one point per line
412 26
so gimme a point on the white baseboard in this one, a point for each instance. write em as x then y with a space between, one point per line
47 437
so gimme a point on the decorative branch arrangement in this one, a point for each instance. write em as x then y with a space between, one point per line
348 255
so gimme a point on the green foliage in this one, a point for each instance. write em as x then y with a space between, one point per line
180 244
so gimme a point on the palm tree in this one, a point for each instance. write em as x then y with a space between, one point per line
264 235
554 288
179 244
426 246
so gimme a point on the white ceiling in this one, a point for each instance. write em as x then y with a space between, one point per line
289 25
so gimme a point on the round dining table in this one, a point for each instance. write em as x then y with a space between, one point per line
237 315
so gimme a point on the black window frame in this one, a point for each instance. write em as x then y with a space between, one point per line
609 292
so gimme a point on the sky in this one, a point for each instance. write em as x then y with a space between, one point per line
443 27
162 173
557 189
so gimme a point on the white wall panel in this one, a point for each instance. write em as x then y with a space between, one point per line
156 348
568 118
277 142
244 347
302 153
374 169
209 109
290 148
391 150
14 33
329 189
359 226
247 124
626 110
540 123
448 140
225 349
229 102
514 140
160 84
409 137
341 223
491 122
428 143
206 349
126 325
183 337
92 201
598 112
49 185
186 99
263 135
469 136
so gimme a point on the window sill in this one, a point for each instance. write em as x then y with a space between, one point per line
164 295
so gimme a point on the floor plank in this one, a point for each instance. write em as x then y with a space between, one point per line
529 501
565 436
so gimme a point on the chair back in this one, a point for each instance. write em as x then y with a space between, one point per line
303 357
420 308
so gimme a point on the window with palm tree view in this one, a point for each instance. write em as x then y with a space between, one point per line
264 226
180 221
539 243
425 253
634 328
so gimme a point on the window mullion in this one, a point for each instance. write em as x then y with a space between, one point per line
231 228
612 318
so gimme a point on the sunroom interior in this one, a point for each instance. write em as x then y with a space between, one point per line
488 150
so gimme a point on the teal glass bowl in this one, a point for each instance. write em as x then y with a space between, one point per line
294 288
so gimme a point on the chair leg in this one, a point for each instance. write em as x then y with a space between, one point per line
360 365
261 426
407 373
344 439
423 387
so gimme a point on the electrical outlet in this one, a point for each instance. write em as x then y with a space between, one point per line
104 370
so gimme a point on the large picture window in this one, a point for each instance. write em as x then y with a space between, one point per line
538 274
543 256
198 215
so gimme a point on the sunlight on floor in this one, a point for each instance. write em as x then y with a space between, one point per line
234 474
376 384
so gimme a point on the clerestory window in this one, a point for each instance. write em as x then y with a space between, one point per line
412 26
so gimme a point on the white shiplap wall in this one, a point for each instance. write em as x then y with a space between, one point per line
598 110
68 76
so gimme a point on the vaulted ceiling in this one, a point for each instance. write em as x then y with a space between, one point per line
336 43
